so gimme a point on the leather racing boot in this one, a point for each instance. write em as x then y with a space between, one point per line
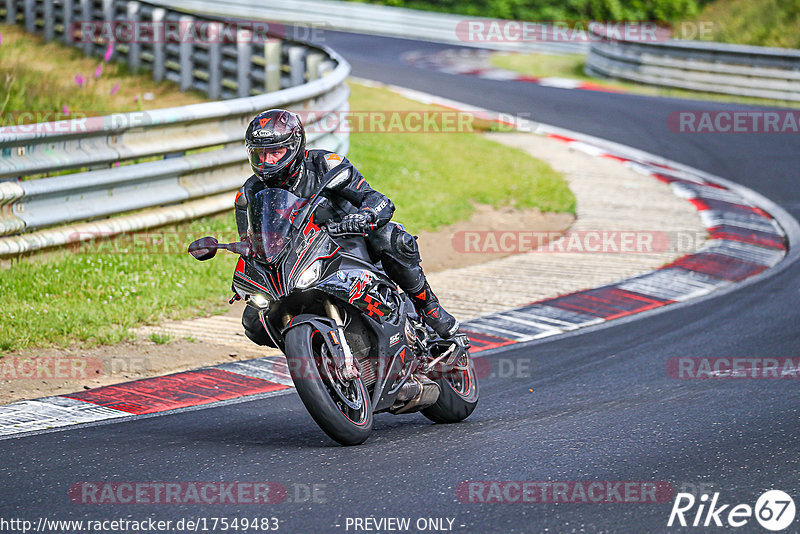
434 315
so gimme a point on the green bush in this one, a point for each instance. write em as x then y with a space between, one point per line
546 10
754 22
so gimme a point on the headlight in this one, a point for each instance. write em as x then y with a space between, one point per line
310 275
259 301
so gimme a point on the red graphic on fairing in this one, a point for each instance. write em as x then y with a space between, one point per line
372 306
311 227
358 292
360 287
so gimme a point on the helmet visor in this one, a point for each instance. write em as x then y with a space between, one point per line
269 160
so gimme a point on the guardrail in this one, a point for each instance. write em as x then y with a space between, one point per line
701 66
253 61
195 153
714 67
374 19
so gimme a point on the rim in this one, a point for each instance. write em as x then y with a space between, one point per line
350 396
461 377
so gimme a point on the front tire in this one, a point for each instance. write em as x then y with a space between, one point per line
458 395
311 368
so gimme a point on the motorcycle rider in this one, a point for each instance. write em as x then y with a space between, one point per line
276 146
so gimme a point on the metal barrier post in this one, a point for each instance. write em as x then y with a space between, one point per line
134 47
159 64
49 20
313 64
243 62
30 16
214 61
272 65
69 35
185 51
11 11
297 66
108 10
86 16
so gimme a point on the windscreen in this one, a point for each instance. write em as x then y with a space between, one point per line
272 213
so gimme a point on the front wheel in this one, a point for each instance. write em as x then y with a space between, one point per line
341 408
458 395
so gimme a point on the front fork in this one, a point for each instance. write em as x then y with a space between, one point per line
346 364
349 371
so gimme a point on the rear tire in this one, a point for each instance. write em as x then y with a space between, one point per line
308 361
458 396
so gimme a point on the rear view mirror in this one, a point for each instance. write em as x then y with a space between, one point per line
204 248
239 247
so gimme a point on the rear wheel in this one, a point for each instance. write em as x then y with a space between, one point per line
458 395
341 408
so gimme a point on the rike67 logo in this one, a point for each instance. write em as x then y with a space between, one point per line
774 510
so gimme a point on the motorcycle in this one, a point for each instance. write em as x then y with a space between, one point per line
354 344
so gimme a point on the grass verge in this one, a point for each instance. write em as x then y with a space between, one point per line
434 178
94 295
571 66
41 82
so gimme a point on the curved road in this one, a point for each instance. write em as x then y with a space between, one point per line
601 407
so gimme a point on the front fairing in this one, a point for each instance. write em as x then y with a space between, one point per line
306 246
285 240
364 289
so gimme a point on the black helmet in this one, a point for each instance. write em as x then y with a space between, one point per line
276 145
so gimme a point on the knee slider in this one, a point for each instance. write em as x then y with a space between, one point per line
405 245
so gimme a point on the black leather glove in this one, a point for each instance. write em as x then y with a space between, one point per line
357 223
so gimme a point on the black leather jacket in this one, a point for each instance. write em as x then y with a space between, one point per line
346 195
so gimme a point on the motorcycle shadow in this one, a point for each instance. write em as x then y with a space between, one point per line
289 427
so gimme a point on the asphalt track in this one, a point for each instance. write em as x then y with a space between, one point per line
602 406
